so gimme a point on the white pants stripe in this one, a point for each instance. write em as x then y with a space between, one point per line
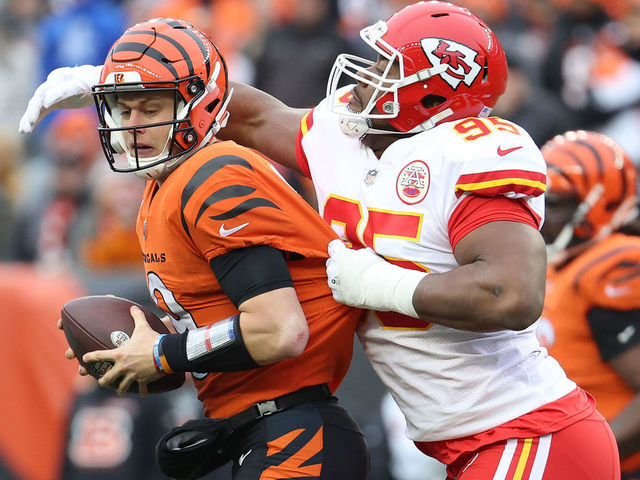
505 460
542 455
539 463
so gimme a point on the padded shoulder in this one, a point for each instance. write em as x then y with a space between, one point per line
610 273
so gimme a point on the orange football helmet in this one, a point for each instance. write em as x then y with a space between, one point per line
451 66
593 173
164 55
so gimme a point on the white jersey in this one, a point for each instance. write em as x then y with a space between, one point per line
448 383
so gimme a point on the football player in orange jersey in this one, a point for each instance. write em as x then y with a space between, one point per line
591 319
237 259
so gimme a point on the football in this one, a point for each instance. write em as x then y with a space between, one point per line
101 322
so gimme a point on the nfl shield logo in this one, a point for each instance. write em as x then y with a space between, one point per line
371 177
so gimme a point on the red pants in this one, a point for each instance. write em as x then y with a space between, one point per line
586 450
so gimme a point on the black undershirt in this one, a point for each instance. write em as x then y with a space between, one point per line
247 272
614 331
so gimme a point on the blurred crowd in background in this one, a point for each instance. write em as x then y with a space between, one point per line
67 222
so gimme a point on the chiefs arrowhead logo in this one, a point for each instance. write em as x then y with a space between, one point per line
460 60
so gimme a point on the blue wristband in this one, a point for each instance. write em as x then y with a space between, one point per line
157 357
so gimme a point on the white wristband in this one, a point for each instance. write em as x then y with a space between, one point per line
203 340
391 288
363 279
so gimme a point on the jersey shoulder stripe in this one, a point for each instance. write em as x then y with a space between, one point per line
203 174
609 273
500 182
225 193
306 123
602 261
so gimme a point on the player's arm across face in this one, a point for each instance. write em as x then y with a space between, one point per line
259 121
499 284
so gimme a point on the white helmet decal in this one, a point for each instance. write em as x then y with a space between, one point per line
460 60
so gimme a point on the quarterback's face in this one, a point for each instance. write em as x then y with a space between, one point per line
139 110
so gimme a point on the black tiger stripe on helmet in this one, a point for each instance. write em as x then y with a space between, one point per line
590 167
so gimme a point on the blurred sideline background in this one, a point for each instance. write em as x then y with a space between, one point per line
67 222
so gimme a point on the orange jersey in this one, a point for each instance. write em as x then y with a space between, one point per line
604 276
226 197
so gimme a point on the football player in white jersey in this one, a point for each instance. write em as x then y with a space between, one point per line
439 207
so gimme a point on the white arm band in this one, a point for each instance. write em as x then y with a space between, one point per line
388 287
363 279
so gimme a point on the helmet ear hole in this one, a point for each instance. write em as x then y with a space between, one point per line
212 106
430 101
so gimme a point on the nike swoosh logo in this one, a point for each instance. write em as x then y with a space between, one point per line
243 456
502 152
224 232
625 335
611 291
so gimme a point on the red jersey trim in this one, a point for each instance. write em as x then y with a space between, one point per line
475 211
499 182
305 125
549 418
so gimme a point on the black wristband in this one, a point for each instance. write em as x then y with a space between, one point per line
213 348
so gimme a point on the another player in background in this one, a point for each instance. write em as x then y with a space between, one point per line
237 260
407 163
591 319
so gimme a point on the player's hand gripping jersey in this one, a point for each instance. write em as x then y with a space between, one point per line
224 198
412 206
588 320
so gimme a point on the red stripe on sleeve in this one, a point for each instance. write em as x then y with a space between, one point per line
502 181
475 211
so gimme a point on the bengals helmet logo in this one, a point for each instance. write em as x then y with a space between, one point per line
460 60
118 78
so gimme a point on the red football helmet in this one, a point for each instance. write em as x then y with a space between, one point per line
591 174
163 55
451 66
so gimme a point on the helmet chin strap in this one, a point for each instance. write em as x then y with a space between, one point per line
354 126
156 170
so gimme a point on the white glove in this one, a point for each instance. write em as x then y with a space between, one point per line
361 278
65 87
